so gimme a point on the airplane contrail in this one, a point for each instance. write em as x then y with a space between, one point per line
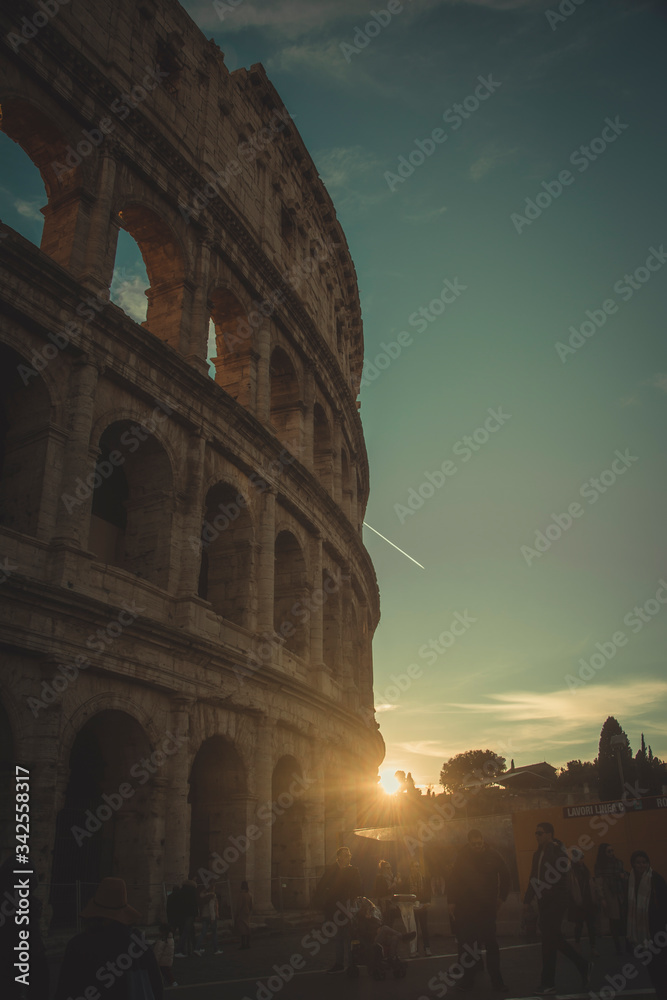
366 525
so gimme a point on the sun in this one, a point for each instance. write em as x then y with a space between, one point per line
388 782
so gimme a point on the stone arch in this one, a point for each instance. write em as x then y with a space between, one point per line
285 399
227 558
164 259
26 442
37 132
288 847
235 368
290 585
101 829
322 448
331 621
132 502
218 802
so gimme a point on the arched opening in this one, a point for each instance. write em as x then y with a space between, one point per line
233 362
289 591
226 562
322 452
285 406
218 800
25 411
7 786
103 828
47 148
346 483
331 645
288 848
165 268
130 280
132 505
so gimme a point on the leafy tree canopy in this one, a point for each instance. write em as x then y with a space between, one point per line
471 767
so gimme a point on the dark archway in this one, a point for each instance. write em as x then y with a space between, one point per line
132 503
226 566
218 798
285 405
289 593
101 829
288 848
322 451
234 345
25 412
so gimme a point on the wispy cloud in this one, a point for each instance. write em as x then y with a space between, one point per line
659 381
492 157
341 165
29 209
427 215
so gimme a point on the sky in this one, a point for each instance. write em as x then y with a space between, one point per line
500 167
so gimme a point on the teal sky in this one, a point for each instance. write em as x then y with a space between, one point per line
503 682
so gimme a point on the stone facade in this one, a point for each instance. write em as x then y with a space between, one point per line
187 604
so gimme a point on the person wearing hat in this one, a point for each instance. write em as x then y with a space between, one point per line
109 955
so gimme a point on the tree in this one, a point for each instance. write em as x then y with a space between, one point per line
469 768
578 773
611 785
649 770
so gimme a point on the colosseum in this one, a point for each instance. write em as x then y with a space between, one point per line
187 603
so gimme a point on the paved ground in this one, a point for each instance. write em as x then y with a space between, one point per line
255 974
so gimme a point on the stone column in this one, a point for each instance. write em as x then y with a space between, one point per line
195 326
102 232
177 829
307 456
317 614
259 859
263 375
314 797
336 446
193 516
266 564
73 519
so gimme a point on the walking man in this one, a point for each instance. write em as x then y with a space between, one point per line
548 885
337 889
478 887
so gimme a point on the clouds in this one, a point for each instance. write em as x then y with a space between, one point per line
492 157
29 209
129 292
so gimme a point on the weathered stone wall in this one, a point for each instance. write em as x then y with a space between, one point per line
234 658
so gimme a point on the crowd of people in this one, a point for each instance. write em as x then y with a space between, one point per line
633 905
